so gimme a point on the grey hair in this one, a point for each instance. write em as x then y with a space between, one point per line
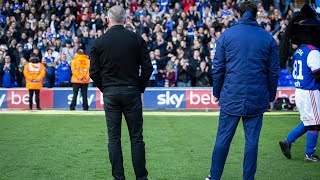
116 14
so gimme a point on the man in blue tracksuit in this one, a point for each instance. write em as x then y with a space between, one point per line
245 76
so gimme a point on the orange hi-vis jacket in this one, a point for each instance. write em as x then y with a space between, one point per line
80 69
34 74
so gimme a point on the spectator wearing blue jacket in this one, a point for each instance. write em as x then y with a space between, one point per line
164 4
3 20
63 78
245 76
7 71
87 41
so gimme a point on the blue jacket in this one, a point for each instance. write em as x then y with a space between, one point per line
245 68
87 43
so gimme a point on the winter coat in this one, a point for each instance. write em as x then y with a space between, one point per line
34 74
245 68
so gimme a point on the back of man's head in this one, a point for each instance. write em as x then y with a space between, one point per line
80 51
116 14
248 6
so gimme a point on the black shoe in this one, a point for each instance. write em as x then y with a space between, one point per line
286 148
72 108
38 108
30 108
86 109
311 158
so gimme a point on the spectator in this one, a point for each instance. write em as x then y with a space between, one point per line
7 71
156 13
169 76
188 25
287 4
142 26
68 51
87 41
225 12
2 56
164 4
187 4
49 62
63 78
21 80
195 64
203 75
76 43
140 12
161 65
184 73
153 81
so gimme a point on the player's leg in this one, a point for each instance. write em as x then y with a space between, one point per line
132 110
313 115
285 144
227 127
312 138
296 133
252 127
113 118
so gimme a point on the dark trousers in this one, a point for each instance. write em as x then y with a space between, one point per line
31 92
125 100
227 127
84 94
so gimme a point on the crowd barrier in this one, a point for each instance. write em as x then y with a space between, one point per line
154 98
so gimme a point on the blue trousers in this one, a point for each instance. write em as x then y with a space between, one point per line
227 127
312 138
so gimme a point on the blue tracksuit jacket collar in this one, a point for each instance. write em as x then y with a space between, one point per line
247 18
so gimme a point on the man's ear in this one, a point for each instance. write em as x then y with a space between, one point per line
239 16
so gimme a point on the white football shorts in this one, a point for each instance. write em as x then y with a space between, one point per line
308 104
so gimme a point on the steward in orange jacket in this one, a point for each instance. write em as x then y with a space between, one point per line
80 69
80 78
34 73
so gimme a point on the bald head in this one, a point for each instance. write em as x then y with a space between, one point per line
116 14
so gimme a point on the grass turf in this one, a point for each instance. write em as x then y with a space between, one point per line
178 146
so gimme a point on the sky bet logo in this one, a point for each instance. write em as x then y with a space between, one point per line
163 99
170 99
174 99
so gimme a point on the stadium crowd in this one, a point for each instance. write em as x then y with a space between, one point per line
181 35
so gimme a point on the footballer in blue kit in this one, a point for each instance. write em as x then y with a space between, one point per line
303 30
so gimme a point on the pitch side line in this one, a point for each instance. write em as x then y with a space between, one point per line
148 113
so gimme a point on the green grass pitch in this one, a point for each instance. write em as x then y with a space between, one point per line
63 145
